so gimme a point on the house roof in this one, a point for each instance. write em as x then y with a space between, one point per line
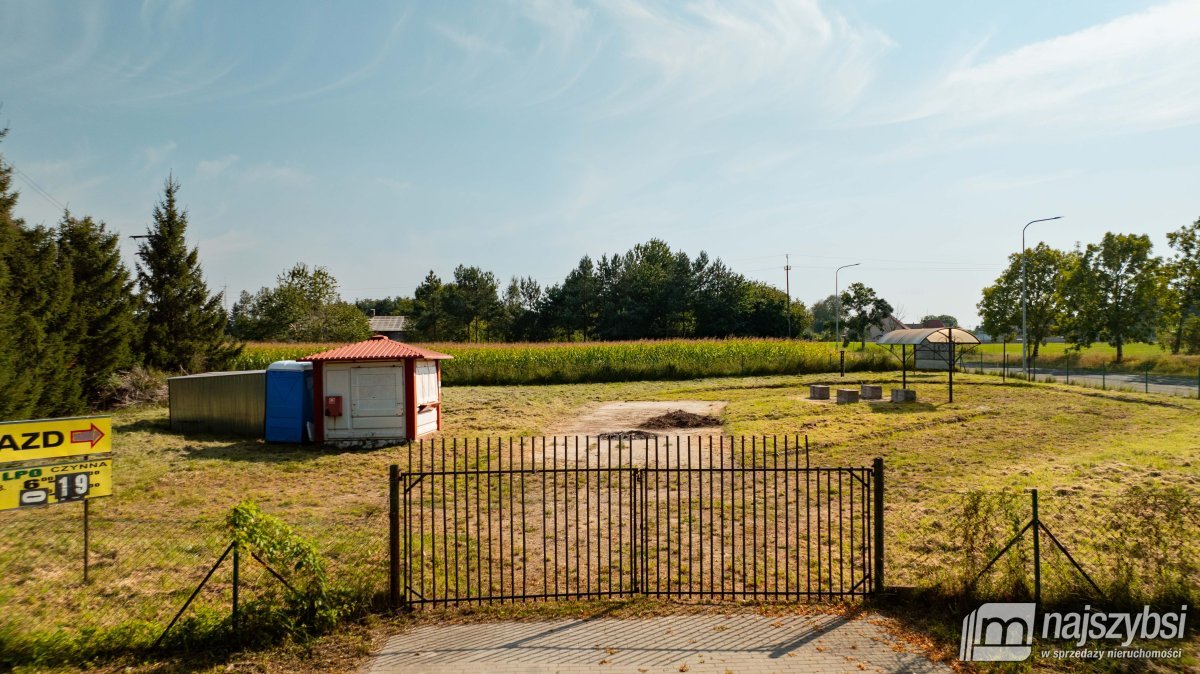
388 323
927 336
375 348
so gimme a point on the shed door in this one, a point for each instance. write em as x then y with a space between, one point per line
377 391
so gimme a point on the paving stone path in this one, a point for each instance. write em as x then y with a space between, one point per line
701 643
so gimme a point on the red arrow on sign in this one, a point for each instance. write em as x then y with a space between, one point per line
92 435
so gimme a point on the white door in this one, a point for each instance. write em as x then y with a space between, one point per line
377 391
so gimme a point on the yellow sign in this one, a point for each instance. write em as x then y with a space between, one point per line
54 438
55 483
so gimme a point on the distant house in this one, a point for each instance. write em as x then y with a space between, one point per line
890 323
392 327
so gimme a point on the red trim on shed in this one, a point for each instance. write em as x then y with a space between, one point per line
410 392
319 402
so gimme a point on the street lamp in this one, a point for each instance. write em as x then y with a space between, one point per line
837 313
1025 298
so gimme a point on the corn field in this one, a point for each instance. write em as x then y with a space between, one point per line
568 363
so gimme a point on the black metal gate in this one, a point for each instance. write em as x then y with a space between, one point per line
587 518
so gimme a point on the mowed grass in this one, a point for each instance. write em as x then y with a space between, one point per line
586 362
156 536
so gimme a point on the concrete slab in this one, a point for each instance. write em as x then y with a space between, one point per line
685 643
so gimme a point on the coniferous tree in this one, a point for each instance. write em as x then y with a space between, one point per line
46 326
15 383
184 326
102 300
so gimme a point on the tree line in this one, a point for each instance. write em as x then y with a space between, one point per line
73 316
647 292
1115 291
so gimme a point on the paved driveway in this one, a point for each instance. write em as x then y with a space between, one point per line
696 643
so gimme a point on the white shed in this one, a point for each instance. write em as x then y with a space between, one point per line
376 391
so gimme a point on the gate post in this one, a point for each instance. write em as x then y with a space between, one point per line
878 471
394 536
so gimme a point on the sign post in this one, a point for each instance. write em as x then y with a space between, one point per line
48 461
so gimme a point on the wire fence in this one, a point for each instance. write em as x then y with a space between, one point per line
140 571
1069 370
1138 545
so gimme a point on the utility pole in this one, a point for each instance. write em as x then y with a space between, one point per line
787 283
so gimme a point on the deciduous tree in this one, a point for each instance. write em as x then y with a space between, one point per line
1000 307
1183 273
1110 292
865 309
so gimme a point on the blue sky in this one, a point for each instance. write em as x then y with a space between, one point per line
383 140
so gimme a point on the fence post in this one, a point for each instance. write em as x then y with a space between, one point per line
1037 552
1147 380
1198 382
236 570
394 536
1104 377
842 362
878 470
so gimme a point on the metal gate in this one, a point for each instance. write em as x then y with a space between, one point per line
588 518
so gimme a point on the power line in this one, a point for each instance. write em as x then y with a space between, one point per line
36 187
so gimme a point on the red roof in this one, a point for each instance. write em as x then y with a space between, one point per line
376 348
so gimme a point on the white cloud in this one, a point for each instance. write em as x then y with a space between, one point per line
395 185
211 168
783 46
1138 72
275 174
154 155
562 21
469 42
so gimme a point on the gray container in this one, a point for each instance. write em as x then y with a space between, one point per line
224 403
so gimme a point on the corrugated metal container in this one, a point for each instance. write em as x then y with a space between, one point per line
219 402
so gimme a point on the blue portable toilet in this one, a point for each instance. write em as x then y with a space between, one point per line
289 401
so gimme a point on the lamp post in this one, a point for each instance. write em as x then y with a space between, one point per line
787 270
837 314
1025 298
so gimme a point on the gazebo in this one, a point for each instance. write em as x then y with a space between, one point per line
936 345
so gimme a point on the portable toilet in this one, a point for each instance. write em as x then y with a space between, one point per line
289 401
376 392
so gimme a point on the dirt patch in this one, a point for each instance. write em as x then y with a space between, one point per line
627 435
682 419
619 417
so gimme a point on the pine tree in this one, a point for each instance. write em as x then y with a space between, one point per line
15 383
184 326
102 300
42 285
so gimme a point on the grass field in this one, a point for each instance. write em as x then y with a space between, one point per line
1084 449
580 362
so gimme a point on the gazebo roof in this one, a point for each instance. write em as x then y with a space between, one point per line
927 336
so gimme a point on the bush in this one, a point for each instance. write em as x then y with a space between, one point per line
135 386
